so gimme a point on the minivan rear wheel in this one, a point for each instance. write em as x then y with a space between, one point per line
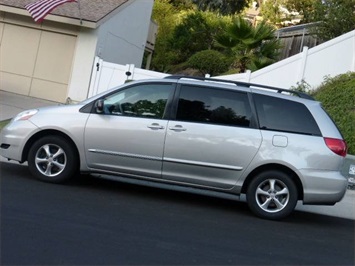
52 159
272 195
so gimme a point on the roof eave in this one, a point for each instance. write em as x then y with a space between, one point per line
56 18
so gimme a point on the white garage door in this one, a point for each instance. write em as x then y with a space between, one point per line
36 62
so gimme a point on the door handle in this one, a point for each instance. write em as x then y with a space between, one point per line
155 126
177 128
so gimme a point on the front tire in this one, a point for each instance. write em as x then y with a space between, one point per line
53 159
272 195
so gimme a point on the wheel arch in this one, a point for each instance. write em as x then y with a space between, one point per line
277 167
44 133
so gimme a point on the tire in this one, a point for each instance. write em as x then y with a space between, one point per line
272 195
53 159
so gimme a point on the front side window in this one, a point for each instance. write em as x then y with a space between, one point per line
146 101
284 115
214 106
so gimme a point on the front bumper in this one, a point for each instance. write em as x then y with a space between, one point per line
13 138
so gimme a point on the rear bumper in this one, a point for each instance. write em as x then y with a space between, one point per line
323 187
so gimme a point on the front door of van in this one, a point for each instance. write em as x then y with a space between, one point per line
128 137
211 141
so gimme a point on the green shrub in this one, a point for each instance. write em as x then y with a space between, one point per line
209 62
337 96
302 86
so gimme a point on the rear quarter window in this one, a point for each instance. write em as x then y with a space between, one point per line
285 115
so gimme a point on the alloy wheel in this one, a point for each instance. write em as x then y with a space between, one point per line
272 195
50 160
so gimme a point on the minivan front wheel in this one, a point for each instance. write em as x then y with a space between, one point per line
272 195
52 159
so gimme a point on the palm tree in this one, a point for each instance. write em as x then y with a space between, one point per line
249 47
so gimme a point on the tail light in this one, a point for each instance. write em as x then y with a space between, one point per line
337 146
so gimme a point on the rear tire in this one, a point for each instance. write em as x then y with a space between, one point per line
53 159
272 195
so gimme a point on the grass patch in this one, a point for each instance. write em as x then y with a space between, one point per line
4 123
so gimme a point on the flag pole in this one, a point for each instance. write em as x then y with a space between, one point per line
81 18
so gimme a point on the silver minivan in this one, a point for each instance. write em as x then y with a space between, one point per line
274 145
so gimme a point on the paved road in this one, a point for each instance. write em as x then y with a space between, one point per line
99 222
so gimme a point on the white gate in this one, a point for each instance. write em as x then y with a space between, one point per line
107 75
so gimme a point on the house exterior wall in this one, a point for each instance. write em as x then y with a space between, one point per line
36 59
55 60
122 39
84 57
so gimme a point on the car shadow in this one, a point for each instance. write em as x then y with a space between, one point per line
9 170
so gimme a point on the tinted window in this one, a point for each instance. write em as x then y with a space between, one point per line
216 106
284 115
148 100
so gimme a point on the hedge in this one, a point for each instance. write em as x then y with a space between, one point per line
209 62
337 96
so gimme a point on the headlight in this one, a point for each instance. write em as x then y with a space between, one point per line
25 115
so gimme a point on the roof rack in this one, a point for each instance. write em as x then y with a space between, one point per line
246 84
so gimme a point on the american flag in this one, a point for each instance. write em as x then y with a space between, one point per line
42 8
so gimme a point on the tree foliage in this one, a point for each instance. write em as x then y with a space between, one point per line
304 7
192 35
183 4
335 18
224 7
272 12
192 31
166 15
209 62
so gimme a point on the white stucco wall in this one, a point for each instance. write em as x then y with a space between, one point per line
122 39
82 64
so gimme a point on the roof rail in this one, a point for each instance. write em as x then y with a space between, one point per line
246 84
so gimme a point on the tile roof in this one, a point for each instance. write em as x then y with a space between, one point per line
91 10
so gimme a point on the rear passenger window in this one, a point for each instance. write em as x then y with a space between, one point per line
214 106
284 115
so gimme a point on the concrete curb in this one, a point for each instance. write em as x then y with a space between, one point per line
343 209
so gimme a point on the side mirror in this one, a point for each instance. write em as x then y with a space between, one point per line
99 106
